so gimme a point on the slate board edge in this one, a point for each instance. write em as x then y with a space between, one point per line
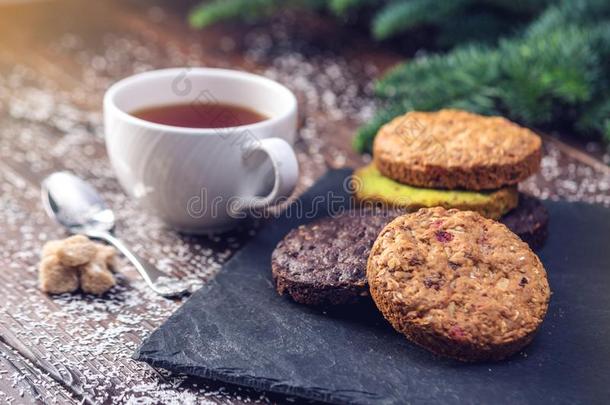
257 383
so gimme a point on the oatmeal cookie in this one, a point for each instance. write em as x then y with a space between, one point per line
455 149
324 262
371 187
458 284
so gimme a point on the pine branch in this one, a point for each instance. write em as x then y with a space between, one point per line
539 73
214 11
435 80
480 26
580 12
219 10
341 7
402 15
520 6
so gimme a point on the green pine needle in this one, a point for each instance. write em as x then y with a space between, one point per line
520 6
220 10
541 73
439 78
402 15
579 12
342 7
473 26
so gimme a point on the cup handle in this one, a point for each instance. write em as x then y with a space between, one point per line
285 169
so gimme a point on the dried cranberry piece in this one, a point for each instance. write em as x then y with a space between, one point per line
443 236
482 240
457 333
433 282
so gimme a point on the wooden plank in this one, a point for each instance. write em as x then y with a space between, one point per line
20 382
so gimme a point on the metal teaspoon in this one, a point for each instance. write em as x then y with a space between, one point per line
77 206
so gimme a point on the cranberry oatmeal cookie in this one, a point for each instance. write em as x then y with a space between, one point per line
456 149
458 284
324 262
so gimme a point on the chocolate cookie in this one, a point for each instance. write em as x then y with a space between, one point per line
324 262
456 149
529 221
458 284
371 187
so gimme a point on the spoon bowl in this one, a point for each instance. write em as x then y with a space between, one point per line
77 206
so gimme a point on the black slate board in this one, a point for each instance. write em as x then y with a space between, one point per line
238 330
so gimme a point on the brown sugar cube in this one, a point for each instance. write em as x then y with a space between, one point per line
76 251
53 278
95 278
106 254
51 247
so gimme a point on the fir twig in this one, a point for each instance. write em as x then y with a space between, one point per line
220 10
402 15
341 7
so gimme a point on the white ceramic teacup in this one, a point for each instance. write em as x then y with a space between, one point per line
202 180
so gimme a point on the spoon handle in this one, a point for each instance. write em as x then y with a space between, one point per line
158 281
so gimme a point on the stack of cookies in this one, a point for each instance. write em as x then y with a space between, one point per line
456 159
453 281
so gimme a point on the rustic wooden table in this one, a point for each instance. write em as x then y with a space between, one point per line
56 60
